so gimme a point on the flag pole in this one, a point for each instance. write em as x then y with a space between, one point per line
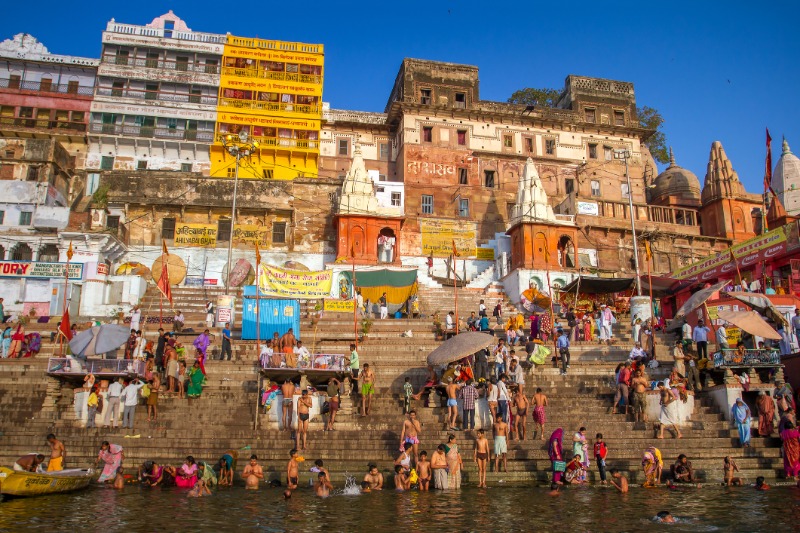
550 293
258 303
66 290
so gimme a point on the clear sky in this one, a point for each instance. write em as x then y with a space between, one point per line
716 70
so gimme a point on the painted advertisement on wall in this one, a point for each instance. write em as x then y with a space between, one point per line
439 235
274 281
196 235
39 270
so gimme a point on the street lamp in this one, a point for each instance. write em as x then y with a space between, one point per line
625 154
238 147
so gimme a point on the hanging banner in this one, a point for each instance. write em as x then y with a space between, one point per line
438 236
339 306
250 234
274 281
197 235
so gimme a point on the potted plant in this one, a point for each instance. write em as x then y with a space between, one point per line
366 326
437 326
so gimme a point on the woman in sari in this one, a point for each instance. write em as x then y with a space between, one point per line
791 451
5 345
740 414
201 343
581 448
186 475
766 414
556 453
574 472
196 377
206 474
111 455
545 327
587 328
17 340
650 469
151 474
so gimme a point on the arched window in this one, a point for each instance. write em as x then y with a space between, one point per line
49 253
22 252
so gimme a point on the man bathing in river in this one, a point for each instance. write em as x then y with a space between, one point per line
58 454
521 420
539 402
481 457
323 487
373 480
287 389
253 474
410 433
304 403
452 404
619 481
292 470
424 471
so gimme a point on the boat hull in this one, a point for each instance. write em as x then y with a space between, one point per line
21 484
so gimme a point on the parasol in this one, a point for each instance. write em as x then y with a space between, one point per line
760 303
176 268
533 298
751 322
699 298
132 268
99 340
459 346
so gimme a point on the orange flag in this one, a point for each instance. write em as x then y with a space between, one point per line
65 327
69 252
455 250
163 281
258 255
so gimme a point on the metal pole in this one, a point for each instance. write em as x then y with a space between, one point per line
355 306
455 292
633 227
233 222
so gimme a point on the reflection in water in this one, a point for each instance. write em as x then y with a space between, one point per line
136 509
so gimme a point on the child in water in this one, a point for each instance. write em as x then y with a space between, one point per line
199 490
760 485
119 480
665 517
730 469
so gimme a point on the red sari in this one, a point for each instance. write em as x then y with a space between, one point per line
791 452
766 413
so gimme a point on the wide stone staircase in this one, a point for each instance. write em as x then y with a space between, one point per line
33 404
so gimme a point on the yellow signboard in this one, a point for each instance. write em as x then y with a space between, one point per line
274 55
201 235
272 86
303 285
734 335
250 234
339 306
269 121
439 235
485 254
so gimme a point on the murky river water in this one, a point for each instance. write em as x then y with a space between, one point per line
502 508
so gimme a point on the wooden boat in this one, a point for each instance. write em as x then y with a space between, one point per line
14 483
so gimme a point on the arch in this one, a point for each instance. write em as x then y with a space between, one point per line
357 243
558 283
387 240
539 246
49 253
536 282
22 252
738 219
566 252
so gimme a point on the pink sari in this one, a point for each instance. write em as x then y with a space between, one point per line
186 477
112 457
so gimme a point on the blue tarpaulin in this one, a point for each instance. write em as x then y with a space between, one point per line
275 315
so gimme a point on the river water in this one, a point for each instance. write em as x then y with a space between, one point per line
598 509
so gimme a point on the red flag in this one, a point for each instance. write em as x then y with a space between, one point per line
455 250
65 327
163 281
768 164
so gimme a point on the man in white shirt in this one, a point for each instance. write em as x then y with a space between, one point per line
500 356
130 399
449 325
686 335
722 339
178 321
302 353
637 352
266 355
112 411
700 336
136 317
359 302
502 398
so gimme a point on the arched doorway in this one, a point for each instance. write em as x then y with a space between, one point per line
22 252
566 252
386 245
540 247
357 240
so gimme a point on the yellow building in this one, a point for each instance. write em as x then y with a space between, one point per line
273 91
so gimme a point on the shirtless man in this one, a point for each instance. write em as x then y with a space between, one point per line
619 481
171 364
521 420
287 389
639 385
322 487
539 402
119 479
452 404
500 429
373 478
292 470
58 454
28 463
481 457
410 433
367 379
424 471
288 342
401 480
253 474
304 403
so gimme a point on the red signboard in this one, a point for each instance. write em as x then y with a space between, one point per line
102 269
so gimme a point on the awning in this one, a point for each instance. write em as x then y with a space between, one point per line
751 322
663 285
593 285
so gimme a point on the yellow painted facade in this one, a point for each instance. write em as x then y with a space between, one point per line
273 91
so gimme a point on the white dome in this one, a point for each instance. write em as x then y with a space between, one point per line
786 180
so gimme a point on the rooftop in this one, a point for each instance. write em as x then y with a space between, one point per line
26 47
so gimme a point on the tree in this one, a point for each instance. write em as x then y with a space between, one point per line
531 96
657 143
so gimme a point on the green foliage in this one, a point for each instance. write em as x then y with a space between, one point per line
100 196
366 325
537 97
657 144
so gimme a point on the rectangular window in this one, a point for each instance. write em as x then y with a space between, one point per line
427 134
569 185
231 172
152 60
117 87
14 81
141 164
529 145
122 57
625 190
396 199
112 222
151 91
172 123
550 146
619 118
461 135
344 147
25 218
595 188
186 167
462 176
510 210
46 85
589 114
279 233
508 141
461 100
72 87
592 151
78 116
384 151
425 97
381 177
107 162
168 228
33 174
608 153
427 204
195 95
488 178
463 208
182 63
2 217
224 230
212 66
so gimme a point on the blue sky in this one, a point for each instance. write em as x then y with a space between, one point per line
716 70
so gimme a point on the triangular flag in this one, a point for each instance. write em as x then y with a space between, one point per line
163 281
455 250
69 252
65 328
648 252
768 164
258 255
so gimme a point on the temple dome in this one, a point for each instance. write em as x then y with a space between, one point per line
677 183
786 180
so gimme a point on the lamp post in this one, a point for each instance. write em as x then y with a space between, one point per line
238 147
625 154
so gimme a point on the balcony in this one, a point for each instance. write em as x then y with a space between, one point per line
311 145
263 105
160 64
272 75
152 132
163 96
48 88
131 29
47 124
